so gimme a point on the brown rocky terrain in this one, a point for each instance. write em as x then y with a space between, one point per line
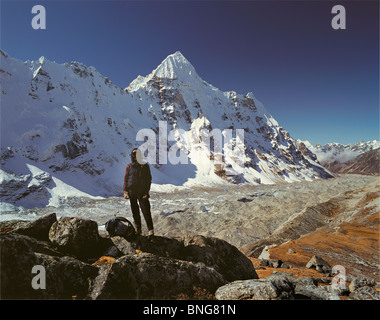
279 230
349 237
367 163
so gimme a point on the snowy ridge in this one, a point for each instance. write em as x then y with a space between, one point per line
67 130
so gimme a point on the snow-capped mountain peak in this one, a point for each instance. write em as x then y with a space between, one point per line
173 67
77 129
342 153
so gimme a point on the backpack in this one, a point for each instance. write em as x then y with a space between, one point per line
120 226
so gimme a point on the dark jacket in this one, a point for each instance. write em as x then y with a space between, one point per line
137 179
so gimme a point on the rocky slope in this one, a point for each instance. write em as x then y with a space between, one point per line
336 157
69 259
343 230
365 163
69 249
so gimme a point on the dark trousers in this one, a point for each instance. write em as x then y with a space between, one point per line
145 208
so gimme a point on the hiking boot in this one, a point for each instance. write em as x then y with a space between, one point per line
150 234
138 231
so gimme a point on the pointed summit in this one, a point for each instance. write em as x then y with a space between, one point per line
175 66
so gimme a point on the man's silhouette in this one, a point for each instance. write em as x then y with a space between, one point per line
137 181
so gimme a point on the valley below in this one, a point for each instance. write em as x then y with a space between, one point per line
336 219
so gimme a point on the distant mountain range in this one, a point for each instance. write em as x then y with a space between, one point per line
361 158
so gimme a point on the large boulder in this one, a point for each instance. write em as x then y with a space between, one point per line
38 229
319 264
64 277
16 262
147 276
77 236
271 288
219 254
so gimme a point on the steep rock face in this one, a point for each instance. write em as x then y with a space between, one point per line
73 125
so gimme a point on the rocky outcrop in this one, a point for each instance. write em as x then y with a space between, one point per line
227 259
16 187
216 253
147 276
277 286
67 250
284 286
270 288
319 264
38 229
365 293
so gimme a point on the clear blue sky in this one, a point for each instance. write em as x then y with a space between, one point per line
320 84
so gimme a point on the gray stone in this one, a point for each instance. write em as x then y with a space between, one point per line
264 262
75 235
340 289
275 263
224 257
16 262
360 282
122 245
319 264
365 293
314 293
274 287
277 286
112 251
66 277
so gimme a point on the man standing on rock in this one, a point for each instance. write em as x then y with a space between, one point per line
137 181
